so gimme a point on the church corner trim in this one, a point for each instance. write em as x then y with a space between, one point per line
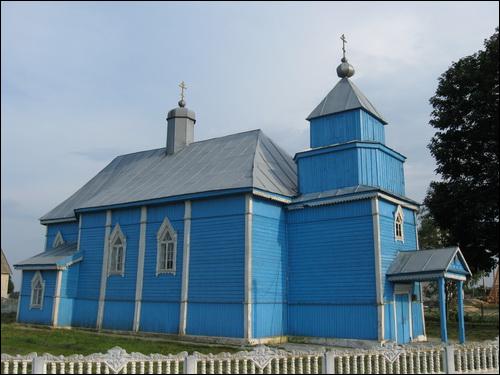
140 268
378 268
248 326
104 270
185 268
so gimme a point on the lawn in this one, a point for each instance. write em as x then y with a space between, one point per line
473 331
23 339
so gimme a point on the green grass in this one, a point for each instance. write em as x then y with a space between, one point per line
23 339
473 331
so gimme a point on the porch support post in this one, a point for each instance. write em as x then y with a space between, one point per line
442 309
461 323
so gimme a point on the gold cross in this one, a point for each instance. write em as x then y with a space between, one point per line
183 87
344 41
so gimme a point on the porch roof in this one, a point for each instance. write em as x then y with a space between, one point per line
57 258
421 265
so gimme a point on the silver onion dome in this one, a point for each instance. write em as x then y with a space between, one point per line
345 70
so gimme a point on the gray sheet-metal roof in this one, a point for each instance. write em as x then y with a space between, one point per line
357 189
343 97
5 265
424 264
57 257
243 160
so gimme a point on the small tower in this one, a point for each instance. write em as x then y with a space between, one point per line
180 125
347 142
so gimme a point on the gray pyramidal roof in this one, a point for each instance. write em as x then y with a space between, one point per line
243 160
344 97
58 256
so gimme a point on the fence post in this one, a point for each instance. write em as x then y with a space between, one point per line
449 360
38 365
328 363
190 365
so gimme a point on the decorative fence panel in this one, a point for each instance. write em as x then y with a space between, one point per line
459 359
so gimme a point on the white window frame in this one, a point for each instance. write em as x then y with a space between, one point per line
115 235
37 278
399 214
166 227
58 240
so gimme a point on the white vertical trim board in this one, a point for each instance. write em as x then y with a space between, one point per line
248 267
57 299
79 232
185 268
378 269
419 284
104 271
140 268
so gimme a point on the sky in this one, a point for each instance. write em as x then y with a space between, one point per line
84 82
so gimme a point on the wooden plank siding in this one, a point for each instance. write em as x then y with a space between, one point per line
269 266
69 232
328 245
161 293
347 126
217 267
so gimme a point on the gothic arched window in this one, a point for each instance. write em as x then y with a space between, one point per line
59 240
166 248
399 224
117 247
37 291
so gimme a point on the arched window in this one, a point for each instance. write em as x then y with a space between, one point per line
59 240
166 249
117 247
37 291
399 224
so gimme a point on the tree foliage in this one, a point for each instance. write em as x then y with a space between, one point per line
465 114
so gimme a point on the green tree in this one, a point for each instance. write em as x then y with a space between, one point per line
464 204
430 236
10 287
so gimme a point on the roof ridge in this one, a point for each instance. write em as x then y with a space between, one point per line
197 142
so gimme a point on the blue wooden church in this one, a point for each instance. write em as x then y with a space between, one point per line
232 239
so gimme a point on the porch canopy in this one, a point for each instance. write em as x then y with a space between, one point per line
58 258
434 265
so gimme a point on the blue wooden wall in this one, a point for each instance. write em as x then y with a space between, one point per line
217 267
89 279
69 232
69 283
161 294
389 250
346 126
120 289
269 265
37 316
350 165
331 290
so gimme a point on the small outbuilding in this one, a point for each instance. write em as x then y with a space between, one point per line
6 274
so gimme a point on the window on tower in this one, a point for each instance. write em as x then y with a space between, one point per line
398 224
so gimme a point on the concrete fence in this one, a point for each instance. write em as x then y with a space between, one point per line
451 359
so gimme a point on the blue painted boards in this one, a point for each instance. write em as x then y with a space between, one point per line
354 125
217 267
324 297
402 318
161 294
269 264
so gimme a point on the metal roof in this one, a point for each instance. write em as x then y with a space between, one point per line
344 96
5 265
243 160
424 264
57 257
